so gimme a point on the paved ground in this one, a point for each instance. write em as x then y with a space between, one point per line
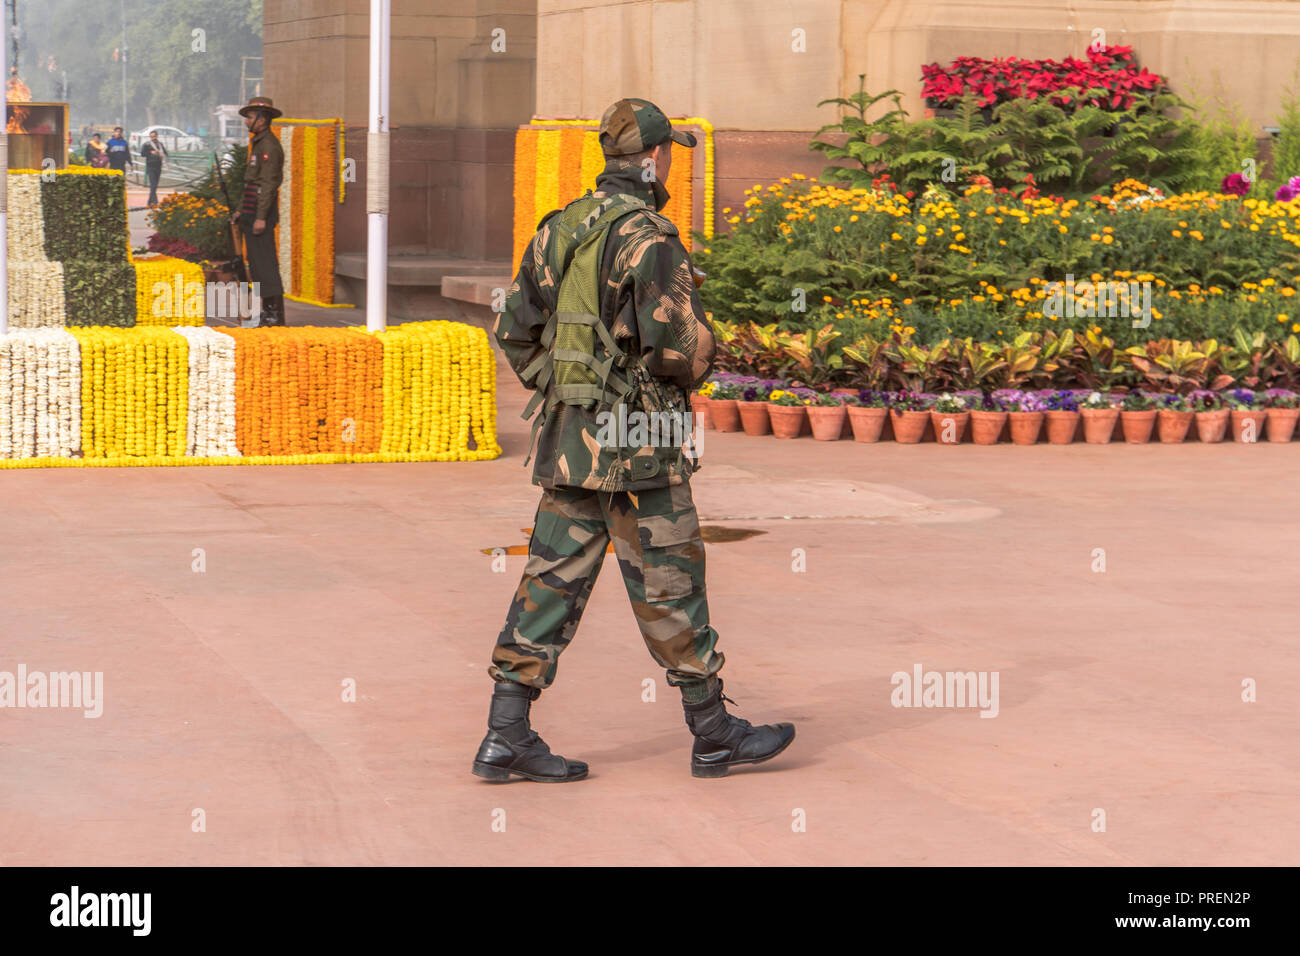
1118 691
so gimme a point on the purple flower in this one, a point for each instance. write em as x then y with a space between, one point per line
1285 193
1235 185
1062 401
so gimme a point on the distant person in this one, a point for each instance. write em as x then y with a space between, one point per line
96 153
119 151
153 152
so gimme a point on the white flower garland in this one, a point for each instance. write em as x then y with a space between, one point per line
286 219
210 421
26 220
36 299
40 394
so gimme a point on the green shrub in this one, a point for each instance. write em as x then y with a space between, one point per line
85 217
99 293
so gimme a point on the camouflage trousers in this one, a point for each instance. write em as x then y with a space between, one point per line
656 537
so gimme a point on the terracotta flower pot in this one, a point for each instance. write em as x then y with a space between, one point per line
1173 425
949 427
700 410
1138 426
1025 427
1281 423
753 417
1061 427
867 423
1248 424
1212 426
909 427
827 421
723 414
787 420
986 427
1098 424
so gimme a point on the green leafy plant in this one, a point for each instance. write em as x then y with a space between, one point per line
1137 401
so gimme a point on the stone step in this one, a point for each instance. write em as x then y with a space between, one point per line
419 270
479 289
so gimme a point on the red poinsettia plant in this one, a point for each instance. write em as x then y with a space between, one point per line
1112 69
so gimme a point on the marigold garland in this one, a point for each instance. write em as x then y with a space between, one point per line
307 390
419 392
312 150
134 392
307 202
284 231
525 190
167 310
294 215
546 157
439 389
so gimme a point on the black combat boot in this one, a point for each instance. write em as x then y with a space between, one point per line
723 741
512 747
273 310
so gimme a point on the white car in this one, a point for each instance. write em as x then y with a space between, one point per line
173 140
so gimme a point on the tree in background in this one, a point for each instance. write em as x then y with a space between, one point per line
174 76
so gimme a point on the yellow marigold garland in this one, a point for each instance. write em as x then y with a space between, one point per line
134 392
149 272
439 390
547 181
307 201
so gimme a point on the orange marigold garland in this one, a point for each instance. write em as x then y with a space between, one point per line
525 190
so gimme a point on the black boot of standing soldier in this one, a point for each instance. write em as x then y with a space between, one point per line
723 741
512 747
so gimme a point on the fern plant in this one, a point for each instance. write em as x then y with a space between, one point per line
874 145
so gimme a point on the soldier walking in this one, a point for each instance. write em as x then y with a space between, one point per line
604 318
260 209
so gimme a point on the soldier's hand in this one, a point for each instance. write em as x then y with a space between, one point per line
259 227
234 219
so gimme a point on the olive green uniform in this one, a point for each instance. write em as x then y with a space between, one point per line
641 503
262 181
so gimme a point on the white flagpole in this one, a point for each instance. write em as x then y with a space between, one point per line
4 184
377 169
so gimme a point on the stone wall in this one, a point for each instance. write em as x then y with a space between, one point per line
755 68
454 105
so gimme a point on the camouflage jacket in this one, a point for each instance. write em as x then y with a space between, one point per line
649 302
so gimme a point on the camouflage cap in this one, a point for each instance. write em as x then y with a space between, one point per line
633 126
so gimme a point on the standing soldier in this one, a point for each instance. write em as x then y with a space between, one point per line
260 210
603 322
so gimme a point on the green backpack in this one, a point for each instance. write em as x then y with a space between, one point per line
582 364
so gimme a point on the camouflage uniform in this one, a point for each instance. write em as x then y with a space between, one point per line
641 500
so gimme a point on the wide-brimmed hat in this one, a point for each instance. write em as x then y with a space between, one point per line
260 103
